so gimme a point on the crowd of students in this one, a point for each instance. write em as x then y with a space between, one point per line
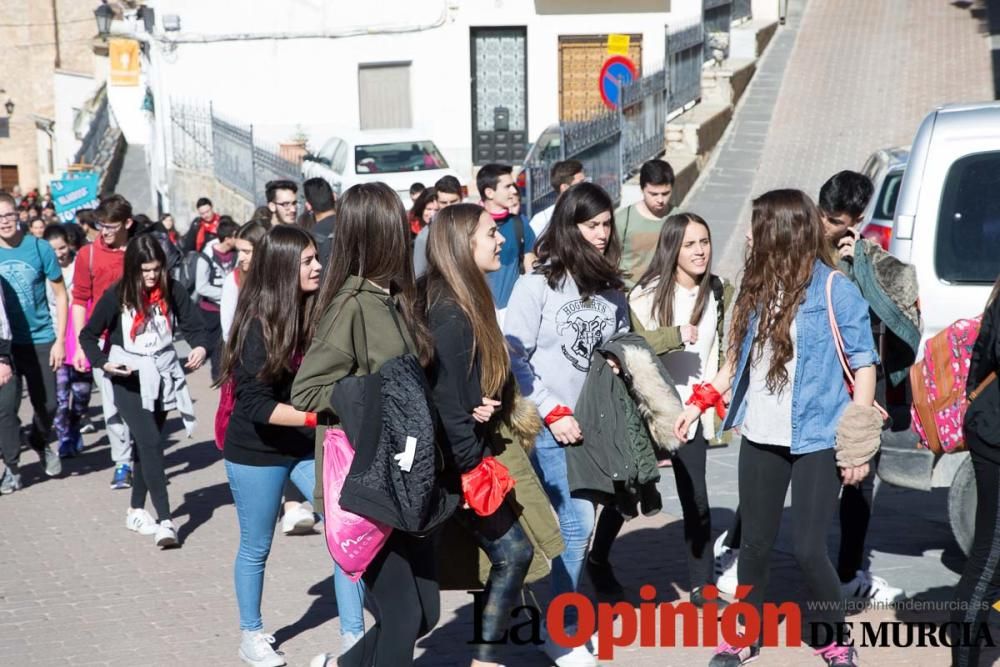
566 362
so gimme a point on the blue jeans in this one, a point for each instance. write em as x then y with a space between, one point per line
257 492
576 517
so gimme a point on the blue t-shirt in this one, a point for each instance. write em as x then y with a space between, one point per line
23 271
502 281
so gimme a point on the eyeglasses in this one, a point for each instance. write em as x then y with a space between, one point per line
10 217
286 204
104 227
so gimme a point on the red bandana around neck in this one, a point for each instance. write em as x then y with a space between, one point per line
150 298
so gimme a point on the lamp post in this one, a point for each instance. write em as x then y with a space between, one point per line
9 106
103 14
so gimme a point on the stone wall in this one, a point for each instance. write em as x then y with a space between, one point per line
187 186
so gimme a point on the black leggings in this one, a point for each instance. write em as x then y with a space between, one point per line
31 367
979 586
689 464
401 586
855 515
148 474
765 472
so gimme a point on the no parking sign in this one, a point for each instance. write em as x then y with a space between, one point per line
617 71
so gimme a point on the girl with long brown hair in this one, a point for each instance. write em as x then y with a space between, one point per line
365 318
799 422
679 306
471 378
556 318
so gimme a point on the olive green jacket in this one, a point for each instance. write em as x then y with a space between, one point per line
355 336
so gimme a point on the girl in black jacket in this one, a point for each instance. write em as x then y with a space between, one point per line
979 586
471 371
143 373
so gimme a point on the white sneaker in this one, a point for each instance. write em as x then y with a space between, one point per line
298 521
256 651
166 535
568 657
726 561
868 587
323 660
140 521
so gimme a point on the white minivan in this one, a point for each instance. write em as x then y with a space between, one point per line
947 224
947 219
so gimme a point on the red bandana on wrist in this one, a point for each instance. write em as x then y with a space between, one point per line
150 299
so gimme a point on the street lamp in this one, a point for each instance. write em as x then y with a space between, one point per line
9 106
104 14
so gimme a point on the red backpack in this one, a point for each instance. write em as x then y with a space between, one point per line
938 386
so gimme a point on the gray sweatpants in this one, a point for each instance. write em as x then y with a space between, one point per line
118 435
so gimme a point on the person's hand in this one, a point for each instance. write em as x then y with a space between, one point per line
690 415
196 358
80 360
566 431
689 334
6 372
854 476
57 354
845 246
727 398
118 370
485 412
613 363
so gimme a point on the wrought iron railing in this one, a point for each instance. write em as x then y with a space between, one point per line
91 144
684 59
717 15
741 9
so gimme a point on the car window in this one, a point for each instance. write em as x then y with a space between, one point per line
398 157
885 207
968 232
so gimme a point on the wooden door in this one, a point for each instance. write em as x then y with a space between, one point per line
580 60
8 176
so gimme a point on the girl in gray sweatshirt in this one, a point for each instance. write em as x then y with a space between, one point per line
556 318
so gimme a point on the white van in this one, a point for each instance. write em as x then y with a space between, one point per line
947 224
947 219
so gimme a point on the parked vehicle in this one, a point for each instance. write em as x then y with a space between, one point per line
395 157
947 224
885 169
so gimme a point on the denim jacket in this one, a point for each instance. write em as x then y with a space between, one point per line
819 392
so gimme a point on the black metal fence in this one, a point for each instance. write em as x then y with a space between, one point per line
717 15
684 59
204 141
741 9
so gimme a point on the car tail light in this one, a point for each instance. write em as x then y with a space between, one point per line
878 234
465 192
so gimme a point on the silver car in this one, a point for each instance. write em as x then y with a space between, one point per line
885 169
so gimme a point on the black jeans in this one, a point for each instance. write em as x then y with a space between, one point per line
402 588
765 472
510 553
979 586
30 366
855 515
689 465
148 474
213 331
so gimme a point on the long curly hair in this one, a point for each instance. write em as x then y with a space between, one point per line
787 241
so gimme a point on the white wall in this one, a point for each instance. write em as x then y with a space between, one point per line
71 92
279 84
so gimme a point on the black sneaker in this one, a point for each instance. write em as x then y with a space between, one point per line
734 656
602 575
839 656
698 599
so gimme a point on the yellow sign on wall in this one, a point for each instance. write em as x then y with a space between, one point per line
123 54
618 45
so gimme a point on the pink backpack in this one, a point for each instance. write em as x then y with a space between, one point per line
353 540
938 386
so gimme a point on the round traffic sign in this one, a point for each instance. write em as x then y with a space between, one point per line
617 71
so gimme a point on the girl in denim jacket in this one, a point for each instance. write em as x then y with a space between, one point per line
799 422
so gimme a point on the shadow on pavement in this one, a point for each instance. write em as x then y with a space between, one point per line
199 506
322 610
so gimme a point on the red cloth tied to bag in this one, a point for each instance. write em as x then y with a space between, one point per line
486 485
705 396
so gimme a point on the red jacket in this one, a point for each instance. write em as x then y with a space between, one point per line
97 268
